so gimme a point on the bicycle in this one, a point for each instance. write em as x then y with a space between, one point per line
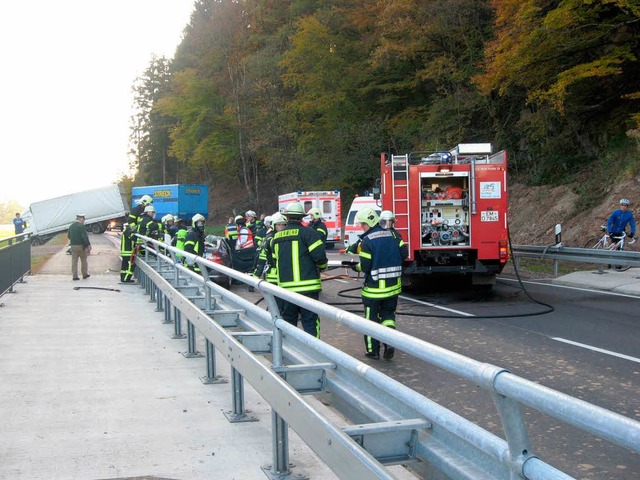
607 242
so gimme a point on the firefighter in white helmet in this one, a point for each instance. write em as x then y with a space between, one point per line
381 262
135 216
388 222
194 241
266 265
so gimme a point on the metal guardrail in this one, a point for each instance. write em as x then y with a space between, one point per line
390 423
15 261
560 252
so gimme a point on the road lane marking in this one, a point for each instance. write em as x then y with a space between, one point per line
596 349
436 306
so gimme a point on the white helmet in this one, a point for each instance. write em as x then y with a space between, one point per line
167 218
149 209
624 201
278 218
197 218
250 213
387 217
268 220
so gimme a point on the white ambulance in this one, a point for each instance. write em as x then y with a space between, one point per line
327 201
352 230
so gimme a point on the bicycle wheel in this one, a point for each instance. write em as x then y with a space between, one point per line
626 248
595 242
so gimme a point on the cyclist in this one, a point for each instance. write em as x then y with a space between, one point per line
619 220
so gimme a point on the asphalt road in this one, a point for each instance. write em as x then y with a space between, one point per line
508 328
527 332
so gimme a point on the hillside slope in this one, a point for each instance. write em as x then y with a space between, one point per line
535 211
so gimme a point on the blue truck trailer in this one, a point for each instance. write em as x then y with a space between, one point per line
183 200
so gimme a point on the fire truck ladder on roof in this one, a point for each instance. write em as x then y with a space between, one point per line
400 194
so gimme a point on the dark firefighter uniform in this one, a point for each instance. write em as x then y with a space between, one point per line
381 263
266 266
231 232
127 245
180 237
194 243
321 229
148 227
300 256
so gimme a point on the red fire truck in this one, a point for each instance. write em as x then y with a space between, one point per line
451 210
329 203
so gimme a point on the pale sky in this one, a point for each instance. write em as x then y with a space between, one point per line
67 68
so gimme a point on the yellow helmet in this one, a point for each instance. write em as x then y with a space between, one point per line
295 209
146 200
367 215
315 213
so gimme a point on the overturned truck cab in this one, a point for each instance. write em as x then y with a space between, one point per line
451 210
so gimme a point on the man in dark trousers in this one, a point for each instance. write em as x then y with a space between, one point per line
300 257
381 263
80 247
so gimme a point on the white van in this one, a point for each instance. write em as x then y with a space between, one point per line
352 230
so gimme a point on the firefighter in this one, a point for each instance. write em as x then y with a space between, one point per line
317 224
262 231
180 237
381 263
252 225
168 225
135 216
231 232
300 257
147 225
265 266
245 235
127 244
194 241
388 221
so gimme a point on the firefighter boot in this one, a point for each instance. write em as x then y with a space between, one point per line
389 352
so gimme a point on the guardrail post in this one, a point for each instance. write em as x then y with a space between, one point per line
159 297
191 342
238 414
279 427
280 467
177 324
167 310
211 376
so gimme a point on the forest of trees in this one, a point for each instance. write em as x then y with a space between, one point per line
268 96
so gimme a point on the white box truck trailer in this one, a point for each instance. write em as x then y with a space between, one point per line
47 218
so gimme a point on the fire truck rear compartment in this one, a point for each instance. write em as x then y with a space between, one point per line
444 214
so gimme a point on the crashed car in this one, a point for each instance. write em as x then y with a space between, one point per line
218 250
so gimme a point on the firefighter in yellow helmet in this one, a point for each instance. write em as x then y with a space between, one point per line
381 262
300 257
317 224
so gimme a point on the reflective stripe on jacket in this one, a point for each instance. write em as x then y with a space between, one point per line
299 255
381 262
